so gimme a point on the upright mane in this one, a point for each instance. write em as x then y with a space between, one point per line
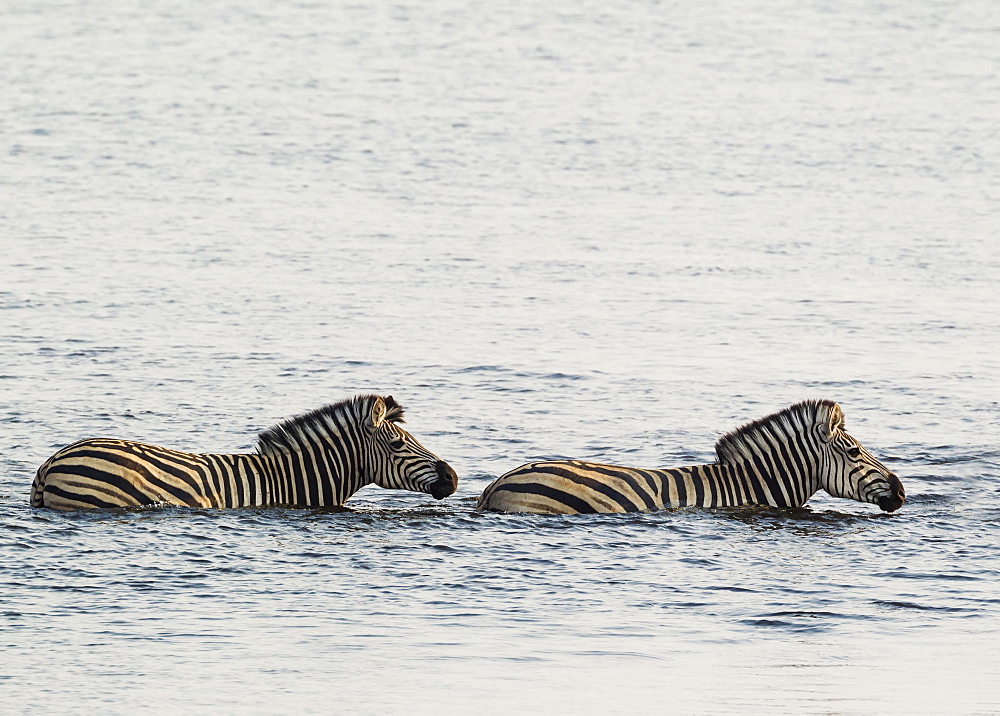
283 437
750 439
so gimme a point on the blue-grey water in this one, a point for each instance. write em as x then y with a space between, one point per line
601 230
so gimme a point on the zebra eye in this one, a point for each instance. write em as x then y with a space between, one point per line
854 452
397 444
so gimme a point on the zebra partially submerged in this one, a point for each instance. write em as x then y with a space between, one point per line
781 460
318 459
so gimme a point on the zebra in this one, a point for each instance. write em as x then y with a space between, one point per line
779 460
317 459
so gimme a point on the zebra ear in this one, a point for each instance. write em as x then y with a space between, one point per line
834 422
378 411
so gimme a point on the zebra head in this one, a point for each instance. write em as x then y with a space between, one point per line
849 470
397 460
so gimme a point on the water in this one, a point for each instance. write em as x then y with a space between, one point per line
604 231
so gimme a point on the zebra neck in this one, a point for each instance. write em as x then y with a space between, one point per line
311 478
731 485
251 483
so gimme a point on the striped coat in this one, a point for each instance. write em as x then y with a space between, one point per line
781 460
318 459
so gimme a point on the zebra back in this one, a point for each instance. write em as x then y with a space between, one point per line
121 473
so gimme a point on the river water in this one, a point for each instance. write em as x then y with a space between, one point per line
609 231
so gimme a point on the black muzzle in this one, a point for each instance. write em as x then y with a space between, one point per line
891 503
446 482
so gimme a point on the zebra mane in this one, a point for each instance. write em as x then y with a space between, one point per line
283 436
739 444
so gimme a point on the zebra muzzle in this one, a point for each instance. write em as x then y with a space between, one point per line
892 502
446 482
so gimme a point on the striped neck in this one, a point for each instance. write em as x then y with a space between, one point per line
319 458
311 478
729 485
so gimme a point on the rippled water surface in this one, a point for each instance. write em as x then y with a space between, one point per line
605 231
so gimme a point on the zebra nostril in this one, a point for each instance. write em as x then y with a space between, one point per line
444 471
897 488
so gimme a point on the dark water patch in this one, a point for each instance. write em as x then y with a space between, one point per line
817 615
683 605
141 585
932 499
484 369
927 576
805 622
699 562
832 383
14 526
802 521
82 589
22 545
793 626
889 604
950 455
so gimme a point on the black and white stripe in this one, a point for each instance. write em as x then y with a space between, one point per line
318 459
780 460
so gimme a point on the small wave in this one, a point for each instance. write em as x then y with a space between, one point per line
483 369
920 607
933 577
784 624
